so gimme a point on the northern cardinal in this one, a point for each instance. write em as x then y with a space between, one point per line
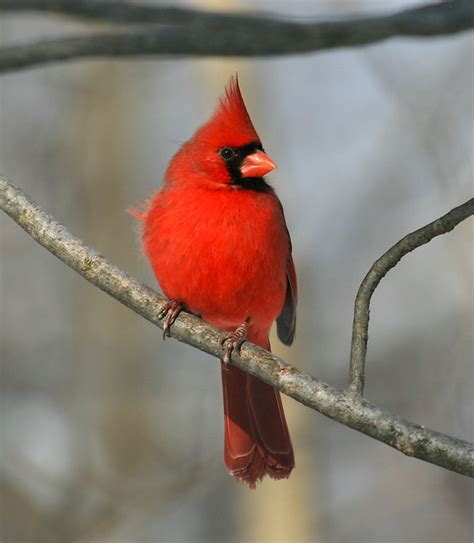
218 243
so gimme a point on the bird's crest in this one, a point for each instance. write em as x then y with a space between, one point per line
230 124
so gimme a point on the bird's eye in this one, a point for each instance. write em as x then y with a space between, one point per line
227 153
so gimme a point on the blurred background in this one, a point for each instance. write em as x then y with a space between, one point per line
110 435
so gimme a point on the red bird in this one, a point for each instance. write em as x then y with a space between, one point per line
217 240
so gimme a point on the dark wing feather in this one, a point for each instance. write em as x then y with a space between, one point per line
286 321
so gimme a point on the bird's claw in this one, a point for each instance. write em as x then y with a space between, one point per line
170 310
234 341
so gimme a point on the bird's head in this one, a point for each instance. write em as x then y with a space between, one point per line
226 150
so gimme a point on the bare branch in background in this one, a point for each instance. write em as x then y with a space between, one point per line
345 407
380 268
116 12
187 32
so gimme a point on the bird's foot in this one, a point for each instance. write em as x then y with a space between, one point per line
233 341
171 310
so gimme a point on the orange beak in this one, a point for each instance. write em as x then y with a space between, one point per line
257 164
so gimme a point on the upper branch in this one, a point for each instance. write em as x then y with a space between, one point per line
196 33
360 326
111 11
344 407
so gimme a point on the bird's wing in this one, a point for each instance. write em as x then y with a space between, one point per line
286 321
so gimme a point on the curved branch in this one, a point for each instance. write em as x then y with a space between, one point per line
380 268
218 34
344 407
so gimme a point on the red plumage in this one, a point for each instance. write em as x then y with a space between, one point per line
217 240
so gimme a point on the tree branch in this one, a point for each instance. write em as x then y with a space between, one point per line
344 407
117 12
360 327
195 33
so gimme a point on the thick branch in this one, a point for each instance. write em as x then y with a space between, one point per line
218 34
347 408
380 268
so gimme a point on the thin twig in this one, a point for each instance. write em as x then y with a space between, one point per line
345 407
218 34
380 268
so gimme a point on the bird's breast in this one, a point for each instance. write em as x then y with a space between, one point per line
223 253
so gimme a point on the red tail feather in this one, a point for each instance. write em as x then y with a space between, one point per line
256 439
